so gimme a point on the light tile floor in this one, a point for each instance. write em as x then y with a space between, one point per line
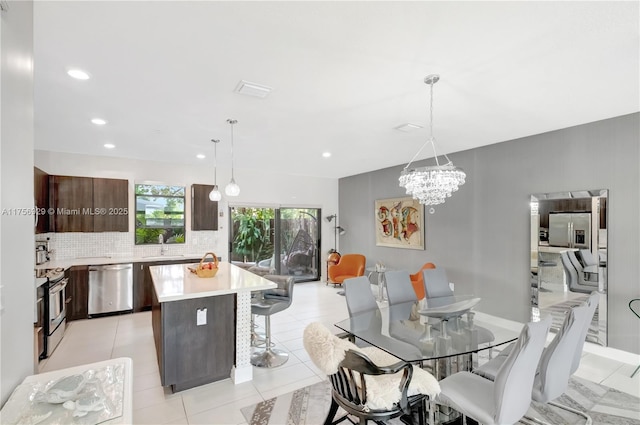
131 336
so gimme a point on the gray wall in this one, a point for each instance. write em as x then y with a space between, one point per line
16 182
481 234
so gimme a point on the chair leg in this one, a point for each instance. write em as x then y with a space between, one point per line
332 412
572 410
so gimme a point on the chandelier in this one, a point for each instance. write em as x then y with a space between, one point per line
431 185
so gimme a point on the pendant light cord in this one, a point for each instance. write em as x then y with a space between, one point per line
215 163
432 139
232 122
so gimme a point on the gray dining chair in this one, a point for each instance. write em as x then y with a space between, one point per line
438 291
507 399
436 283
559 360
574 283
587 258
359 296
402 296
589 280
592 303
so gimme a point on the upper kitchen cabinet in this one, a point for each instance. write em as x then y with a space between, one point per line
41 197
85 204
204 212
112 197
71 199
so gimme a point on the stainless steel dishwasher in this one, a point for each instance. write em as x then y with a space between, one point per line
110 288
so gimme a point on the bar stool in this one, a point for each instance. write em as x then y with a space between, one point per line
257 340
274 301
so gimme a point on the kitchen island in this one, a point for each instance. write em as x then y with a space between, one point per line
201 326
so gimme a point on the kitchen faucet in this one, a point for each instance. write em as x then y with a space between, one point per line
163 247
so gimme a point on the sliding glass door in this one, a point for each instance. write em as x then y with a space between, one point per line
284 239
299 230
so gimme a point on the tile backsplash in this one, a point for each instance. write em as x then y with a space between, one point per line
121 244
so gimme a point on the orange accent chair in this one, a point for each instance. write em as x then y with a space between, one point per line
350 265
418 281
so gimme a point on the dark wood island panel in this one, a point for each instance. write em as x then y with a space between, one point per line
190 355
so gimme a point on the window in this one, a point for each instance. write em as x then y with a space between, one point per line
159 213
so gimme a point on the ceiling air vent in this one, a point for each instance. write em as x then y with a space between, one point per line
408 127
252 89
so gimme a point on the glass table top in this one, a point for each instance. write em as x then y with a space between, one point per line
412 341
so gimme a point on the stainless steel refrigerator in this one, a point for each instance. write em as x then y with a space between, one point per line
571 230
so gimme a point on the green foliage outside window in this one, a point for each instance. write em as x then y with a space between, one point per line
159 212
253 231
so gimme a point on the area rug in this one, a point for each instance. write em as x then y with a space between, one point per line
310 405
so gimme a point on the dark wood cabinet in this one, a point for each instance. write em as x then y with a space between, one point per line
111 196
204 212
71 198
41 197
143 284
85 204
77 293
189 354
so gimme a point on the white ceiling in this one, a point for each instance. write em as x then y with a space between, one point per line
344 74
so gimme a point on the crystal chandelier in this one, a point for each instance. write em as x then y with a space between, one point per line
431 185
215 194
232 189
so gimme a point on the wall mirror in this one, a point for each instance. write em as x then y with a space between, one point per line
569 255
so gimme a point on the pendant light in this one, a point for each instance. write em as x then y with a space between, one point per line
232 189
215 194
431 185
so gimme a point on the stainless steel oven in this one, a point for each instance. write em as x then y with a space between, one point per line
55 311
39 320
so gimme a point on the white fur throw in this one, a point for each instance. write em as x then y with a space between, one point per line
327 351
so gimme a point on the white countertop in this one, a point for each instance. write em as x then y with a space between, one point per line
96 261
175 282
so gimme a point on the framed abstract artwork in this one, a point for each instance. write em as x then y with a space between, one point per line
399 223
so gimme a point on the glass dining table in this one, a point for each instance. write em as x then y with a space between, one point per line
445 333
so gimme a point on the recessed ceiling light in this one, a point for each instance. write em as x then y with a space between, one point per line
408 127
78 74
200 156
326 154
109 145
98 121
252 89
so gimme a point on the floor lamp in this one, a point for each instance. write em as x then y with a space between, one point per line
336 230
334 255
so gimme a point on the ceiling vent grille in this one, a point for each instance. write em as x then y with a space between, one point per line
252 89
408 127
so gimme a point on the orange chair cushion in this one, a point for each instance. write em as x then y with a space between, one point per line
417 280
350 265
